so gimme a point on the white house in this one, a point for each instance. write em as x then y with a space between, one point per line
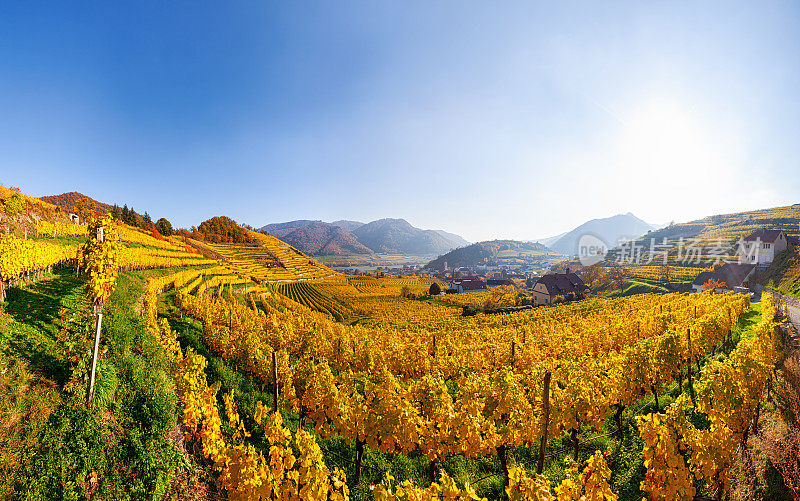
761 246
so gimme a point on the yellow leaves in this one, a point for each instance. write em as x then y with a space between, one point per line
18 255
407 490
100 258
590 485
667 476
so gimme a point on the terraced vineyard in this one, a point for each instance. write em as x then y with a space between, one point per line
273 261
701 242
308 295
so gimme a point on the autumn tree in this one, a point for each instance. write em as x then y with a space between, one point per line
164 227
713 284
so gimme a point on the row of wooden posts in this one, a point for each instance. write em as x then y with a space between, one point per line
24 278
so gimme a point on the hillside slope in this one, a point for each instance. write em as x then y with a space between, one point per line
783 275
453 237
721 231
496 252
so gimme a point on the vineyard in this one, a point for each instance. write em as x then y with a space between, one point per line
356 387
428 389
310 296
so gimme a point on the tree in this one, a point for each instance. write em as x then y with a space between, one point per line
435 289
164 227
713 284
132 220
14 204
80 207
116 212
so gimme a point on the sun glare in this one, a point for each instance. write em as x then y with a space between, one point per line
663 139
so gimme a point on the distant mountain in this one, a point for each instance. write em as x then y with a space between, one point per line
609 230
494 253
452 236
281 229
384 236
324 239
549 240
347 225
397 236
67 202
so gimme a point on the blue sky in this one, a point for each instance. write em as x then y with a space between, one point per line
488 119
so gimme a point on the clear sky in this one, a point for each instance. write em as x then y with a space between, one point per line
488 119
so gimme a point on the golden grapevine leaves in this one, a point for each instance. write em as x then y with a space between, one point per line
445 489
100 258
244 473
589 485
727 393
18 256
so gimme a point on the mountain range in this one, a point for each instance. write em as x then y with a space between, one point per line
610 230
384 236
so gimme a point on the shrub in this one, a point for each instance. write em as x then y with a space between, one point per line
14 204
435 289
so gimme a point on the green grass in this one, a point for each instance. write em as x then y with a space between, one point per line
58 448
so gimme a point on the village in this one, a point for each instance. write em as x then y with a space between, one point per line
566 280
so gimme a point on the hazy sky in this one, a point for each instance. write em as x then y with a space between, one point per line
488 119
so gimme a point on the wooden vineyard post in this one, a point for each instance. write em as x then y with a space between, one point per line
2 290
359 459
275 381
95 350
575 444
513 353
618 419
95 354
689 365
502 454
545 422
655 395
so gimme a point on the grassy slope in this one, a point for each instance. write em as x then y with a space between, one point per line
118 449
784 273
